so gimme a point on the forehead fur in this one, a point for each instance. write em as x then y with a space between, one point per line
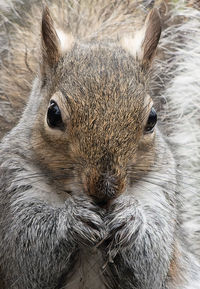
105 88
104 72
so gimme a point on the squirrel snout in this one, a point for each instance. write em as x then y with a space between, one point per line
104 187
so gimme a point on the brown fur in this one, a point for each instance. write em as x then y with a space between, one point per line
194 3
105 96
50 41
152 35
21 41
175 274
91 92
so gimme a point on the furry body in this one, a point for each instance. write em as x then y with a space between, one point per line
52 234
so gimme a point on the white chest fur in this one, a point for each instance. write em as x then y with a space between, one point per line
88 273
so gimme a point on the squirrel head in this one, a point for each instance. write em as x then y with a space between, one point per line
95 124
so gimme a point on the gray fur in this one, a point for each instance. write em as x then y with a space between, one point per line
182 97
50 239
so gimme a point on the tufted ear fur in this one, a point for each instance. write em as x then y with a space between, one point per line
55 42
143 44
152 35
50 42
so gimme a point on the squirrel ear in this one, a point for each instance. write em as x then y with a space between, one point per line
55 42
152 28
51 51
143 44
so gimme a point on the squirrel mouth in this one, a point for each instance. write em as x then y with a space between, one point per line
102 203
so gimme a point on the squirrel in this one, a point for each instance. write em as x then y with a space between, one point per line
95 192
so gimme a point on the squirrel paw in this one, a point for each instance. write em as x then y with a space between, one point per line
125 224
86 225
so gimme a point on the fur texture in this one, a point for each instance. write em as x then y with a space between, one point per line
54 231
180 117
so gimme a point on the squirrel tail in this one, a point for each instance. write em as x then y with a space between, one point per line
18 59
180 115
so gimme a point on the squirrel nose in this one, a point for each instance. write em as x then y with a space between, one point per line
104 188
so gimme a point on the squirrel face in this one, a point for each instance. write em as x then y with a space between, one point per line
95 125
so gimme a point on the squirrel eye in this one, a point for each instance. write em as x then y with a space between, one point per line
149 128
54 118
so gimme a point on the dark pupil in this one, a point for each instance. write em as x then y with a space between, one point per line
151 121
54 118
